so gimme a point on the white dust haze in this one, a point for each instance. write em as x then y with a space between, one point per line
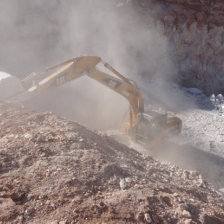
35 34
43 33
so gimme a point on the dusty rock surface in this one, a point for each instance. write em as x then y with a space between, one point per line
56 171
195 30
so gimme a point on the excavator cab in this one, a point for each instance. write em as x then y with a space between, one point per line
149 126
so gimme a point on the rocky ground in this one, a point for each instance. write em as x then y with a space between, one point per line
201 143
204 129
202 116
203 122
56 171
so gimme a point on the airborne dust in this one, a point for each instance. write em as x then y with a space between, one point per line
40 34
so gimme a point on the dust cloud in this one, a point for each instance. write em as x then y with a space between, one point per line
40 34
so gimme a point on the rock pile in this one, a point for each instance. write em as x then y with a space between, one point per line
56 171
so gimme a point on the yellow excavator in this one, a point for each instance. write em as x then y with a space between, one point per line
148 128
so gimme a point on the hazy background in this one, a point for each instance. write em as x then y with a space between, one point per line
37 34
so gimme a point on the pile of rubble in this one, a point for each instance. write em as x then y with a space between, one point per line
56 171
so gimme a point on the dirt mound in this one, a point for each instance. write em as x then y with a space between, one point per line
56 171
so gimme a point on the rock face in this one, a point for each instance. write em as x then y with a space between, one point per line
195 30
56 171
